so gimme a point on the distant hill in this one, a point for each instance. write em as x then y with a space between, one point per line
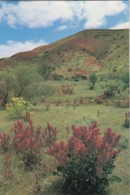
78 55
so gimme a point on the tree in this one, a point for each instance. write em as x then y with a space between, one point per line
25 76
111 89
125 78
93 80
7 83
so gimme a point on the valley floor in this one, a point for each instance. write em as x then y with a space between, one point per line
23 182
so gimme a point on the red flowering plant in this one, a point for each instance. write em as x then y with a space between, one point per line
4 141
49 135
29 142
86 159
7 171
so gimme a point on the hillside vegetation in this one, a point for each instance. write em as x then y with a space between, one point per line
71 84
101 51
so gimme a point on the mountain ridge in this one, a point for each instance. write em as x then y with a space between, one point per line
83 53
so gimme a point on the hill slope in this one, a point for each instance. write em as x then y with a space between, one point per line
80 54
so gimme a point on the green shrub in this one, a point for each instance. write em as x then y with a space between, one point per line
93 79
126 123
45 89
111 89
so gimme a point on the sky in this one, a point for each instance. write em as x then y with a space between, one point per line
25 25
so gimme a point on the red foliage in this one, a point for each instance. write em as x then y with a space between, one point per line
84 142
7 167
4 141
25 138
30 142
49 135
59 151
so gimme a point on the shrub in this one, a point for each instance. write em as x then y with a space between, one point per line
127 120
49 135
81 100
47 107
18 106
4 141
126 123
122 103
67 90
100 99
37 187
111 89
57 77
7 171
125 78
67 103
42 99
7 84
29 142
58 102
45 89
93 79
27 78
86 160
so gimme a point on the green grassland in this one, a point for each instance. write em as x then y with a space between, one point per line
42 75
62 116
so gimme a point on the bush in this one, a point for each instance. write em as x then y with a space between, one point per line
93 79
4 141
7 171
125 78
108 93
67 90
26 78
49 135
46 89
81 100
122 103
111 89
86 160
126 123
57 77
17 107
29 142
100 99
7 85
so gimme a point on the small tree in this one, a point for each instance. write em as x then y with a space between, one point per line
25 76
93 79
7 82
111 89
125 78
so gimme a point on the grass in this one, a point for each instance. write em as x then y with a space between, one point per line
23 182
60 116
111 52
